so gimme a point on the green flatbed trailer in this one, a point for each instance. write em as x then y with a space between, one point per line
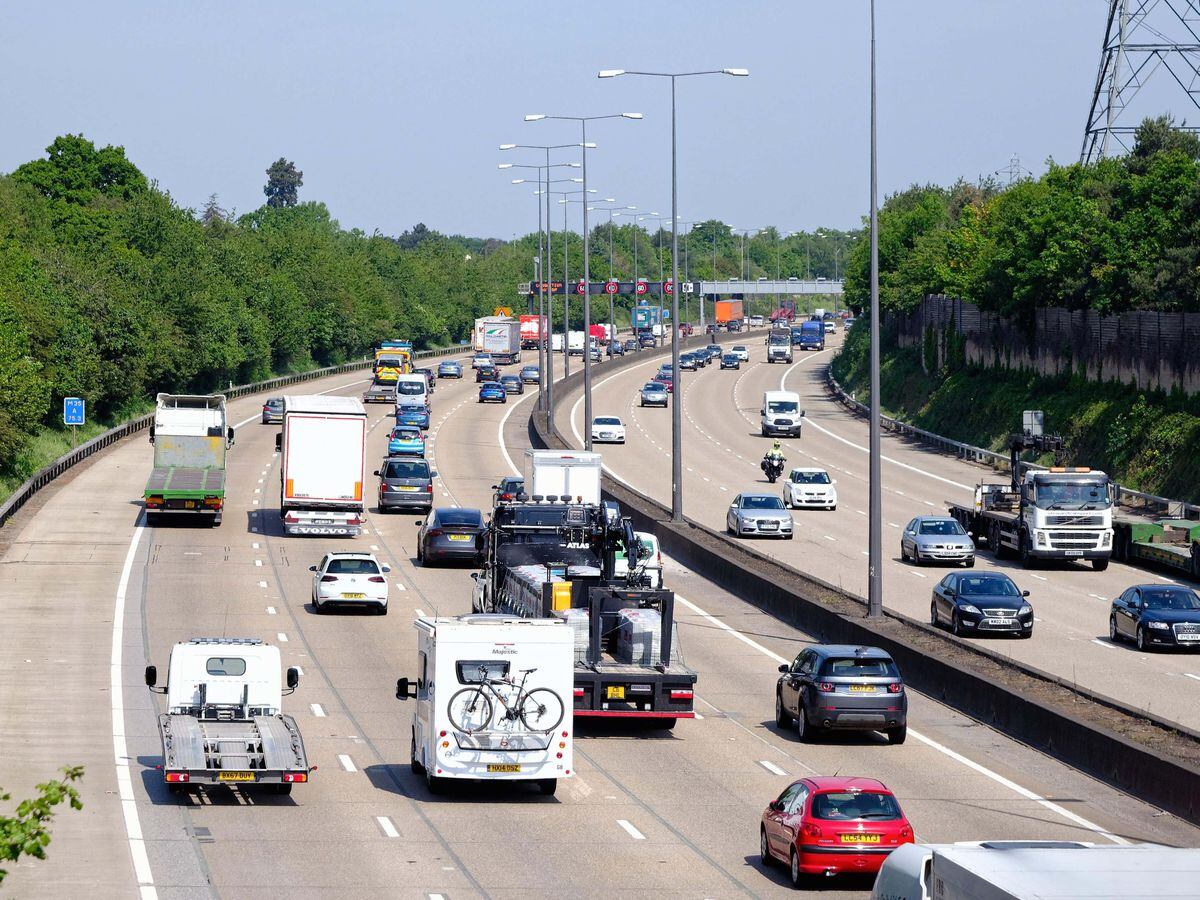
182 489
191 437
1167 543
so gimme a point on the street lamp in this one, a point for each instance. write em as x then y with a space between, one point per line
611 210
637 234
587 273
566 281
676 412
875 504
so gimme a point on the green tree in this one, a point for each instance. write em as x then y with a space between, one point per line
27 832
283 182
75 171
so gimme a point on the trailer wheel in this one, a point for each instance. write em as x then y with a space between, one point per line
1099 564
666 724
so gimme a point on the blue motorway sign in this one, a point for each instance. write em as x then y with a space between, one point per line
73 410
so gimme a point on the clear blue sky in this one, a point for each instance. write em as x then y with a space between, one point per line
394 110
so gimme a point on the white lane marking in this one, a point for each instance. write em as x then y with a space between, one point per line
928 502
270 610
256 503
1104 643
958 757
828 537
347 762
262 584
861 512
133 824
500 432
633 832
771 767
317 710
281 637
893 525
865 552
1097 596
420 613
1190 675
918 574
373 547
386 826
1038 577
255 546
400 587
258 562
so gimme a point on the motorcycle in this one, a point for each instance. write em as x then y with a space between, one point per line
772 467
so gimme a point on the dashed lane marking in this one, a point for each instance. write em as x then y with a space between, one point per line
386 826
347 762
771 767
317 710
633 832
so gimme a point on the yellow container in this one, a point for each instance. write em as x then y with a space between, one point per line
561 598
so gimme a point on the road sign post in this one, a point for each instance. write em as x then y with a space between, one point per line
73 415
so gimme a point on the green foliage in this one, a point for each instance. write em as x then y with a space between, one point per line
27 832
283 182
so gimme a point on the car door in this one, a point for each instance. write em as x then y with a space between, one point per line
1133 612
804 678
941 599
731 517
791 820
908 539
774 820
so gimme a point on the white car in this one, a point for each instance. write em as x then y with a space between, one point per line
349 579
741 352
651 560
608 429
830 326
810 488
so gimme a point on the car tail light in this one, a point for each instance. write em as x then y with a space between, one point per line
329 578
434 532
212 502
578 692
153 502
825 687
811 830
906 833
354 520
377 579
895 687
178 777
681 695
295 777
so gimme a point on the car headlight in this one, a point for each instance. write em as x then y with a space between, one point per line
1025 609
973 610
1157 625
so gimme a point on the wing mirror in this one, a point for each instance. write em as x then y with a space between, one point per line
151 676
1024 593
783 667
376 473
386 567
776 806
278 441
404 689
229 436
312 568
152 434
802 414
293 678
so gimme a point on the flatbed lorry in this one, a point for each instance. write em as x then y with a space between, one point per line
779 345
1162 543
380 391
549 557
224 723
191 436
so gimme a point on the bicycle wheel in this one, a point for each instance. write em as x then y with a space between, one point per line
541 710
470 710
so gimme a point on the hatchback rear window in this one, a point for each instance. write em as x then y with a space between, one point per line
406 469
851 805
851 667
352 567
460 517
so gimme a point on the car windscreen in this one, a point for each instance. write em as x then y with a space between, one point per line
810 478
844 805
399 468
1171 599
944 526
411 388
409 410
783 406
607 420
989 585
460 516
859 667
653 388
352 567
491 386
509 379
762 503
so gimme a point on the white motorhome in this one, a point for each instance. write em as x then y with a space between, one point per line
413 388
494 697
781 413
563 473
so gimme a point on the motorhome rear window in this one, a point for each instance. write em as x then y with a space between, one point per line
475 671
225 665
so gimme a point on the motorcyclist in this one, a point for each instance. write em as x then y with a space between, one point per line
776 451
772 463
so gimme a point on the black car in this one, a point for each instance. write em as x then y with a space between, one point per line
449 533
978 602
508 488
840 686
486 372
1156 615
729 361
430 377
687 362
512 384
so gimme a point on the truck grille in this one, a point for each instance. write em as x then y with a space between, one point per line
1072 540
1075 520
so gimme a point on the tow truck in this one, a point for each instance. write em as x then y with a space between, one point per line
223 723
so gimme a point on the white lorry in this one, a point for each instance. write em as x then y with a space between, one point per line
500 336
572 475
323 465
1049 870
493 700
223 723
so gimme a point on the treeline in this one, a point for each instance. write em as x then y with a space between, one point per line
111 291
1120 234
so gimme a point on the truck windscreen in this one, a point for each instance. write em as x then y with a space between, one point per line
783 406
1074 494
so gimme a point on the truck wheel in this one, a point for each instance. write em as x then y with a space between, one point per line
547 786
1026 557
1099 565
413 765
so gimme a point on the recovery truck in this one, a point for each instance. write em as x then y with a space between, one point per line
223 723
381 391
1056 513
779 345
548 557
392 359
322 449
191 435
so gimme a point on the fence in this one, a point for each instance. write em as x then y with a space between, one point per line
1136 501
46 475
1143 348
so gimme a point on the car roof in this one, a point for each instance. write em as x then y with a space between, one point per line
859 650
936 519
824 783
810 469
350 554
758 495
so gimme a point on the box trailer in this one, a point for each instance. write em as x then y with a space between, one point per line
532 328
499 336
563 474
323 465
728 311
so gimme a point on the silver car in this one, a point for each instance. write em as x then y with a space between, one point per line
653 394
937 539
761 514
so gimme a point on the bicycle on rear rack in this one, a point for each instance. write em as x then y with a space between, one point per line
472 709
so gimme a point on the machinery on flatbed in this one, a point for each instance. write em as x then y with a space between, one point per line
191 435
1167 543
1056 513
223 723
547 556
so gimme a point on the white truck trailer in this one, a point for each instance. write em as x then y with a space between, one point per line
224 723
568 475
493 700
500 336
322 473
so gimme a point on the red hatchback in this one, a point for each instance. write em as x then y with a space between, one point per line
667 380
829 826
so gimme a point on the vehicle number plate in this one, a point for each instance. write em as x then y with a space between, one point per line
235 776
408 487
1073 552
862 688
769 526
860 839
322 521
460 537
504 767
189 504
1187 636
616 693
353 596
999 621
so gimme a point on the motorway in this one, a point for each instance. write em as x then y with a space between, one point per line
723 447
91 596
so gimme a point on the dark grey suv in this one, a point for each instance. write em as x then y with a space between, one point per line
841 686
405 483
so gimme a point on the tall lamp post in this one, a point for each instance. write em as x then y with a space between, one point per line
612 318
676 412
587 273
875 505
566 279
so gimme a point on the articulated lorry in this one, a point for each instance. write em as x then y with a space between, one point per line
1058 513
532 329
499 336
726 311
550 556
191 436
323 464
224 723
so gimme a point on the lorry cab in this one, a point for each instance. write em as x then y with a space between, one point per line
413 388
216 672
809 335
493 699
781 413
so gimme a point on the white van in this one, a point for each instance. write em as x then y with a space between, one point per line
412 388
494 700
781 413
